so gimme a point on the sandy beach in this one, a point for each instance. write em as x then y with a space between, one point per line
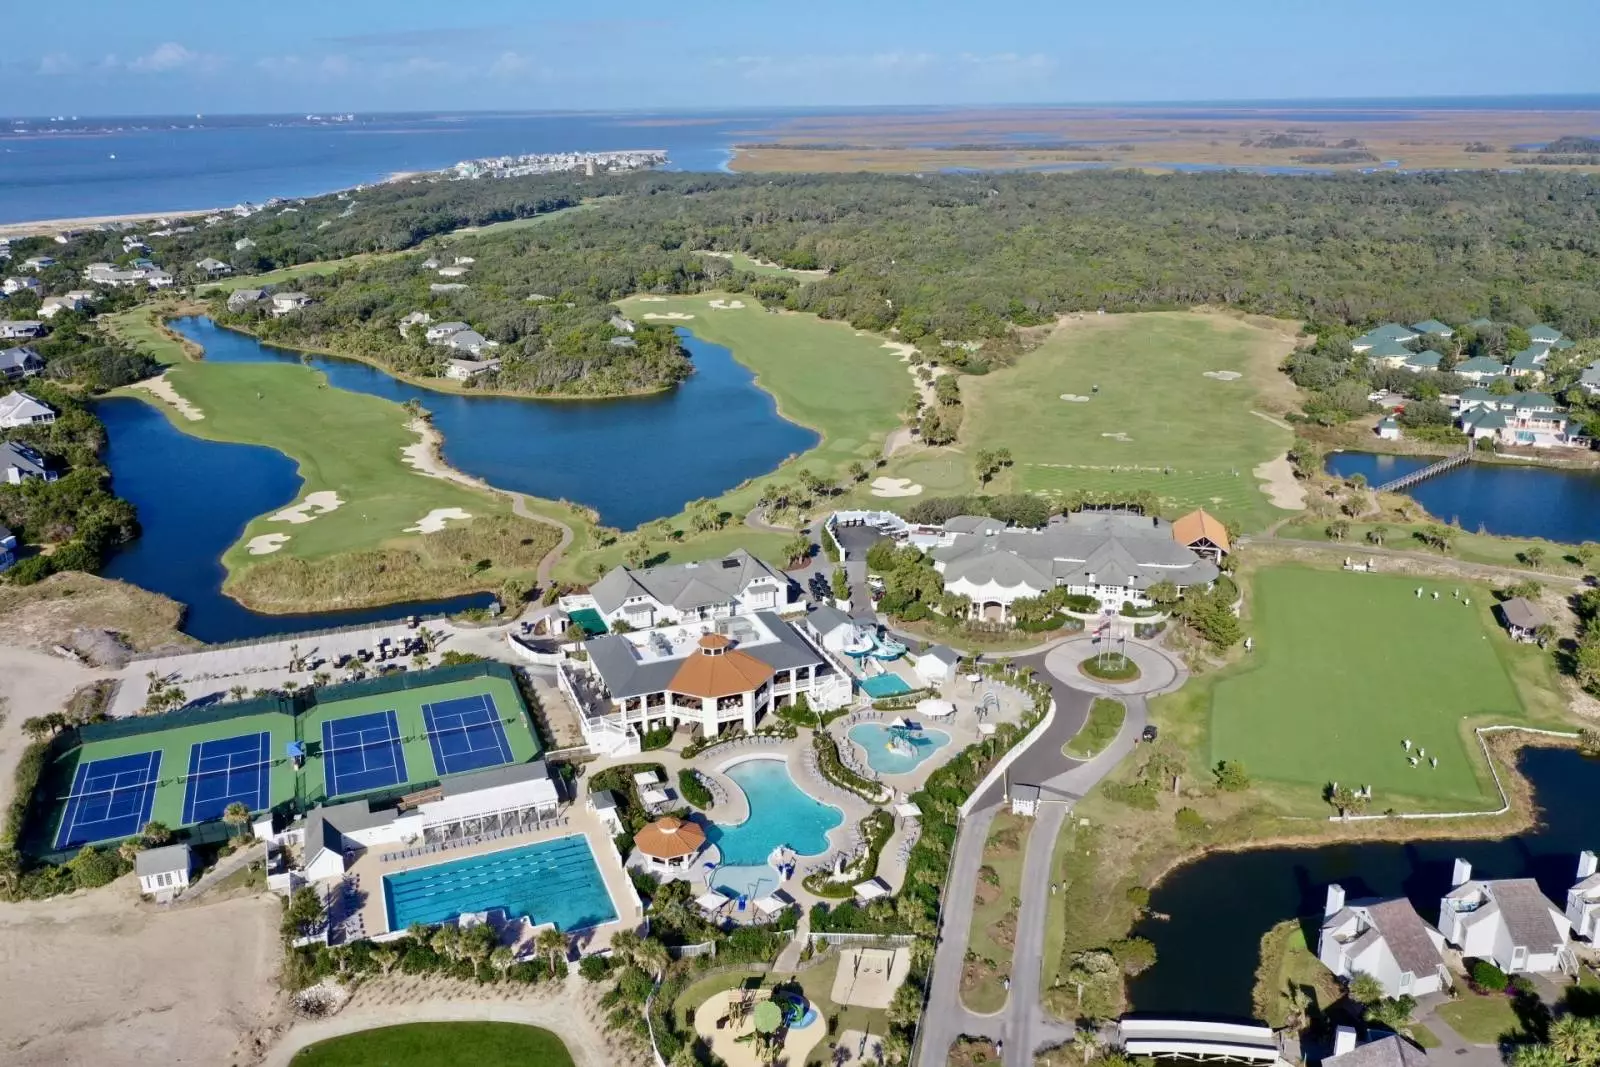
49 226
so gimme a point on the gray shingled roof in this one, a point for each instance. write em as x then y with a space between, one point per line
826 617
685 586
625 676
1406 934
1526 912
162 860
492 777
1112 546
23 458
1391 1051
1522 613
943 653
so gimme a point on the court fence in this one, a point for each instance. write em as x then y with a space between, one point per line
55 781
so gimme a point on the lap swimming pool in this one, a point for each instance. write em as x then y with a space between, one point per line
781 813
894 750
551 881
884 685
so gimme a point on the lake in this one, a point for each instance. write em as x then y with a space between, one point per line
1221 905
1505 499
194 499
632 459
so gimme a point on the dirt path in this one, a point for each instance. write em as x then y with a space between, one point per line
101 977
424 456
570 1012
31 684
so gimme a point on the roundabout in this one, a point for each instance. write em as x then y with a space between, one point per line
1153 670
1110 667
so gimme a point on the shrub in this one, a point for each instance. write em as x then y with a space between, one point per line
1138 896
1231 776
92 867
1140 795
656 737
1189 823
1486 975
693 789
1134 955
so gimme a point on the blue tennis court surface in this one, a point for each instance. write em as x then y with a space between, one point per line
111 798
362 753
466 734
225 771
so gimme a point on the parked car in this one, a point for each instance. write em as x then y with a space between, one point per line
1149 733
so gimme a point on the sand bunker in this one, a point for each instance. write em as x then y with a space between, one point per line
437 519
647 299
266 544
900 348
1074 398
320 503
727 305
160 388
1282 488
1119 437
676 316
895 487
1222 375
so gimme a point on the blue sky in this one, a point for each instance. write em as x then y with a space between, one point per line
178 56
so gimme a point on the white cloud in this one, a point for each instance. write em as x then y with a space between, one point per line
53 63
511 66
172 56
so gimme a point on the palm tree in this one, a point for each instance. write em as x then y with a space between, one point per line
653 957
1574 1039
1365 988
236 815
502 958
553 943
1296 1001
238 692
1086 1041
294 657
155 833
320 679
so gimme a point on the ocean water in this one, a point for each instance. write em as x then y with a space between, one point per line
120 166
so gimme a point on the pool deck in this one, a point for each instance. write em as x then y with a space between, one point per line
370 868
962 727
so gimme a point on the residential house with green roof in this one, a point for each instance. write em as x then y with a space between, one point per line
1389 331
1478 324
1543 334
1589 380
1387 353
1418 362
1481 369
1530 361
1433 326
1527 420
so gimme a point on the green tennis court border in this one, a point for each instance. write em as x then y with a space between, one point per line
285 718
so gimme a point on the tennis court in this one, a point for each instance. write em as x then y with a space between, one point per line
361 753
466 734
110 798
226 771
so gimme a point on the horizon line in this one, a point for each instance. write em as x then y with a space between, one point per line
1243 103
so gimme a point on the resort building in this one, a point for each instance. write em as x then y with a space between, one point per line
1509 922
1386 939
1530 420
504 799
163 872
1583 899
670 844
1203 534
1112 556
18 409
712 674
737 584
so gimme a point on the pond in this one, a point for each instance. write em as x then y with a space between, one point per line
632 459
1498 498
1218 907
194 499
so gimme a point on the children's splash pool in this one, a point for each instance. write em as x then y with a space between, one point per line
894 749
781 813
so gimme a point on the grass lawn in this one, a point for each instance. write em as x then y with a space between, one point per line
1472 547
1287 961
284 275
1424 1037
743 262
1154 409
994 918
427 1044
1346 667
1482 1020
1105 720
272 404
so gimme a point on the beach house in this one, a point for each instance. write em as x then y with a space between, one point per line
240 299
1384 938
469 341
1528 420
18 409
12 286
287 303
1509 922
708 674
21 362
18 463
1112 556
20 328
464 370
1481 369
1583 899
8 548
1391 332
213 268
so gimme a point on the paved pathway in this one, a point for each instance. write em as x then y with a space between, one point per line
1023 1024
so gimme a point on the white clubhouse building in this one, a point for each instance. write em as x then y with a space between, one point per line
737 584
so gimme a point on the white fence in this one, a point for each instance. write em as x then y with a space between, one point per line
1505 801
898 940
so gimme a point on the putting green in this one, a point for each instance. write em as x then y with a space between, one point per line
1348 667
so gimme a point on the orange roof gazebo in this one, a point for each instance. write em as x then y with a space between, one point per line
717 669
1203 529
670 839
